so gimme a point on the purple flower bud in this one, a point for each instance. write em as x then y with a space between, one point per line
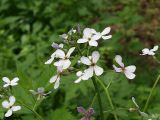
87 114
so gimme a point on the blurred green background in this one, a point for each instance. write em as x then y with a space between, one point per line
28 28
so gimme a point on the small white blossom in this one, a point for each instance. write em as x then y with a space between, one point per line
64 61
40 93
104 34
138 108
151 52
10 106
91 62
10 82
58 47
128 71
90 36
81 76
56 78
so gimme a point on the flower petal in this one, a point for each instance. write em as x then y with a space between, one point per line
66 64
16 108
98 70
81 110
118 59
54 78
93 43
6 85
131 68
88 72
8 113
79 73
70 51
155 48
117 69
14 81
60 53
129 74
87 33
5 104
85 60
49 61
82 40
12 100
56 85
97 36
91 111
145 51
107 37
106 31
78 80
5 79
95 56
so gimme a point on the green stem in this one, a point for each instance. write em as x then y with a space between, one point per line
98 97
151 92
94 98
38 116
108 96
34 107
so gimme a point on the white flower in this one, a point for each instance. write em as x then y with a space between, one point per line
58 47
10 106
64 61
91 62
90 36
147 51
56 78
138 108
81 76
10 82
128 71
40 93
104 34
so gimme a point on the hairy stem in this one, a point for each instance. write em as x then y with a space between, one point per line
108 96
98 97
151 92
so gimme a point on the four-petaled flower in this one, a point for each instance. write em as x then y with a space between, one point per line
10 106
64 61
10 82
40 93
151 52
56 78
87 114
90 36
128 71
81 76
91 62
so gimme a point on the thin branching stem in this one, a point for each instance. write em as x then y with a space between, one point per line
151 92
108 96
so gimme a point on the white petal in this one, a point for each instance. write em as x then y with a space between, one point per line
93 31
107 37
88 72
9 113
85 60
66 64
5 79
59 63
49 61
96 36
56 85
5 104
60 53
118 59
145 51
78 80
106 31
87 33
16 108
54 78
155 48
6 85
129 74
14 81
117 69
98 70
93 43
79 73
95 56
70 51
82 40
12 100
61 45
131 68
